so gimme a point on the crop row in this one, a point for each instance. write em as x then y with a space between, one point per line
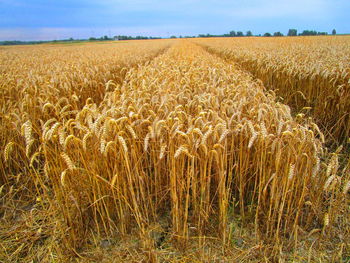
305 72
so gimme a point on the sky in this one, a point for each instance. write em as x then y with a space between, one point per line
61 19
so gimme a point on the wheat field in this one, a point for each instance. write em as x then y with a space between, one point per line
306 72
175 151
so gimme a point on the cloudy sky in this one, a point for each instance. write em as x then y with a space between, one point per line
59 19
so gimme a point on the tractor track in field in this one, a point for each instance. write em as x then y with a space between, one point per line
331 142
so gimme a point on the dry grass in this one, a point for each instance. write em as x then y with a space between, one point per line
132 154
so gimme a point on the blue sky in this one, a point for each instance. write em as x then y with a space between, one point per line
58 19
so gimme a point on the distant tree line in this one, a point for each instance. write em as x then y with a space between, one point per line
104 38
230 34
120 37
72 40
17 42
312 33
133 38
294 32
291 32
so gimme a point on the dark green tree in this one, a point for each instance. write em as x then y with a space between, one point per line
240 34
232 33
249 33
292 32
308 33
334 32
278 34
267 35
